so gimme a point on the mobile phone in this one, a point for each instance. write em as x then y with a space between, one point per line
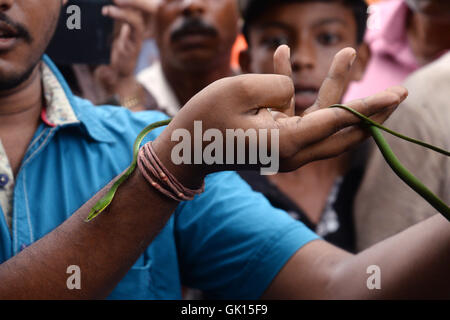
83 34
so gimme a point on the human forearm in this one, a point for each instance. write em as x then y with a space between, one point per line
104 249
413 264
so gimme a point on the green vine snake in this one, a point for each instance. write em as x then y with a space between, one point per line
374 129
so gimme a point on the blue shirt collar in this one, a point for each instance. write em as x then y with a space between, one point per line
82 109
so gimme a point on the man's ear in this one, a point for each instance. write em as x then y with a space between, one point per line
359 67
245 61
64 2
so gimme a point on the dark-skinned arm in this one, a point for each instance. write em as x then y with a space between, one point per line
106 248
413 265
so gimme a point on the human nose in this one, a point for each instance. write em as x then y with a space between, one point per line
193 7
5 5
303 57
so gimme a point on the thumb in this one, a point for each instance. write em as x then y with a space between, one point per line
282 66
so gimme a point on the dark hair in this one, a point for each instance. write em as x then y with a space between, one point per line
255 8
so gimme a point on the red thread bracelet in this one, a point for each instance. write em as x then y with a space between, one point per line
162 180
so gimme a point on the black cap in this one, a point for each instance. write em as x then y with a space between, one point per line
248 6
252 8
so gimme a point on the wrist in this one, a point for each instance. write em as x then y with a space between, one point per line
189 175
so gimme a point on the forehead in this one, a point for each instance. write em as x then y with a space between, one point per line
305 15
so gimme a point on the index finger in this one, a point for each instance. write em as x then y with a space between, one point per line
323 123
333 86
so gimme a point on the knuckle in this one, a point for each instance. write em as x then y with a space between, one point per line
243 87
366 106
335 76
286 89
338 122
360 105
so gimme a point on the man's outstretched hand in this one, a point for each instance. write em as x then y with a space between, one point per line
329 132
255 101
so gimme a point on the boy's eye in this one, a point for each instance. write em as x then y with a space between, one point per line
328 39
274 42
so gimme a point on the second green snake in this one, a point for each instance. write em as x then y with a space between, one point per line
374 129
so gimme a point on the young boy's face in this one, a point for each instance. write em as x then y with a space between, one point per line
315 32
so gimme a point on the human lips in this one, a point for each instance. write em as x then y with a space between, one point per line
8 36
194 32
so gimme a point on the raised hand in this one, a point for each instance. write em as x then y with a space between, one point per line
133 24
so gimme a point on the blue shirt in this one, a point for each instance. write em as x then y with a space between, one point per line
229 241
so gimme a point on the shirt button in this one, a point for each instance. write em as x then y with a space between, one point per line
4 179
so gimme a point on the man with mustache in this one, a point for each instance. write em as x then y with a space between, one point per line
58 150
195 39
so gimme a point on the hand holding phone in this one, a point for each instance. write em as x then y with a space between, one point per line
84 35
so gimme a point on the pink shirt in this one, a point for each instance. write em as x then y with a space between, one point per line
392 59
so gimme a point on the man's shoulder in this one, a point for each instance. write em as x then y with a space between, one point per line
429 87
436 73
425 113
